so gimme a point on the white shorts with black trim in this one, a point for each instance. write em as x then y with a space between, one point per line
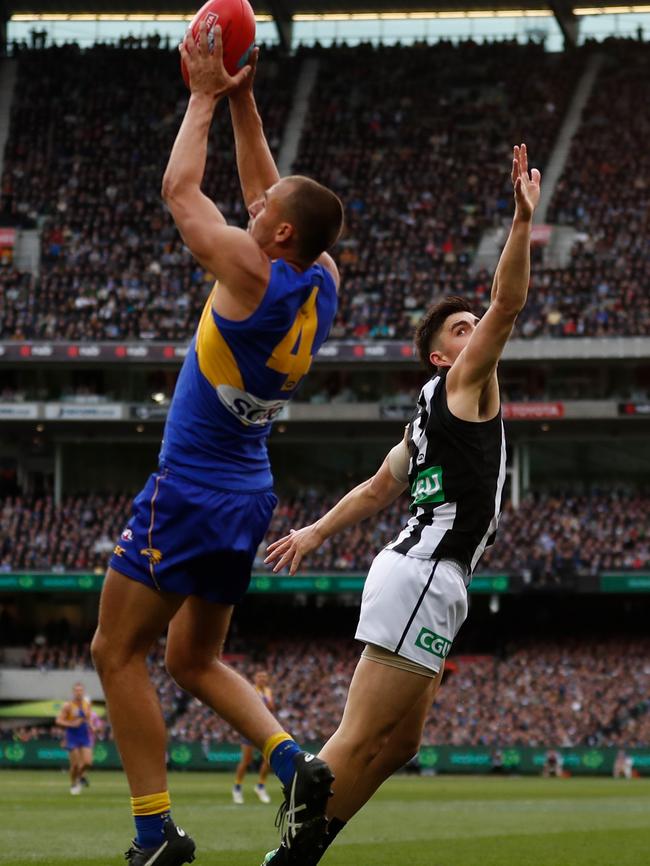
413 607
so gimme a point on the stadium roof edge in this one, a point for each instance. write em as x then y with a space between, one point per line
283 11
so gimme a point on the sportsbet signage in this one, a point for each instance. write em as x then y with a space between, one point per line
340 583
439 759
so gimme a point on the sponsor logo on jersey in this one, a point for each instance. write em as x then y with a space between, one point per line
427 487
433 643
251 410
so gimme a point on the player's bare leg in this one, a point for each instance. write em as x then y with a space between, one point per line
264 772
131 618
85 763
402 745
260 788
379 699
240 775
244 764
194 646
75 774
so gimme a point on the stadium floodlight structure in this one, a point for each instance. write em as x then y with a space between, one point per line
285 12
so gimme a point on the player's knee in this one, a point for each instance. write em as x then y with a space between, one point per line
184 670
110 657
100 651
405 750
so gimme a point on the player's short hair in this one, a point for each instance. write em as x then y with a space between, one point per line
316 213
431 323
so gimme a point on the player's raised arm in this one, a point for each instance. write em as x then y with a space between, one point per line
257 169
368 498
477 363
255 164
228 252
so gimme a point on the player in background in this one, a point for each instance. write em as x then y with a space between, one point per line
96 726
261 684
184 559
75 718
453 459
553 764
623 766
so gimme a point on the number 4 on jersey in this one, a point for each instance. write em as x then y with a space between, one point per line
292 356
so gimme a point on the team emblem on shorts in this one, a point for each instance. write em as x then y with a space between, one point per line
153 555
433 643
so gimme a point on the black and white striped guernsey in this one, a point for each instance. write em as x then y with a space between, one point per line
456 473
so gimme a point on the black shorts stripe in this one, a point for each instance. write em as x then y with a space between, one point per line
417 606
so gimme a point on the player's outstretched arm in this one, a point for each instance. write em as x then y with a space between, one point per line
255 164
368 498
228 252
478 361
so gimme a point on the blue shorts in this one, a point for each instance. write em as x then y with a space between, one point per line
77 739
193 540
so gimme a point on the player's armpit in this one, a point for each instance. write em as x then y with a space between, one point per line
478 361
230 253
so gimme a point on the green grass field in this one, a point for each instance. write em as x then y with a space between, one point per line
444 821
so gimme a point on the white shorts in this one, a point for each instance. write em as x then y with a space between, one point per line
413 607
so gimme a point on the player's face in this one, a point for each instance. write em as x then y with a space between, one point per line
78 693
452 339
266 223
261 679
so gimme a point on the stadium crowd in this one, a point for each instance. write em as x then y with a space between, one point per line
549 538
84 161
416 140
565 693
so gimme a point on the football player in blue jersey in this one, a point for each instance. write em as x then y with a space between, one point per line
185 557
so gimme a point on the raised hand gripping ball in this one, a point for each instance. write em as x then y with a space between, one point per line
237 21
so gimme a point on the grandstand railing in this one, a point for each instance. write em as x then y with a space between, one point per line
541 348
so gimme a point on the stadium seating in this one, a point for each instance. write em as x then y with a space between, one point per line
85 159
549 538
417 145
534 693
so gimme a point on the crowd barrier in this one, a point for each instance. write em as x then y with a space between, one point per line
524 760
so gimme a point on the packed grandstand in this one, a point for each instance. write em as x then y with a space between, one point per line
422 172
564 692
548 537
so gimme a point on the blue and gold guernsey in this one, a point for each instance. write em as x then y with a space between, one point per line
199 520
79 737
238 376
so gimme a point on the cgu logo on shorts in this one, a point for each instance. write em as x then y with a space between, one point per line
251 410
427 487
153 554
127 535
433 643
